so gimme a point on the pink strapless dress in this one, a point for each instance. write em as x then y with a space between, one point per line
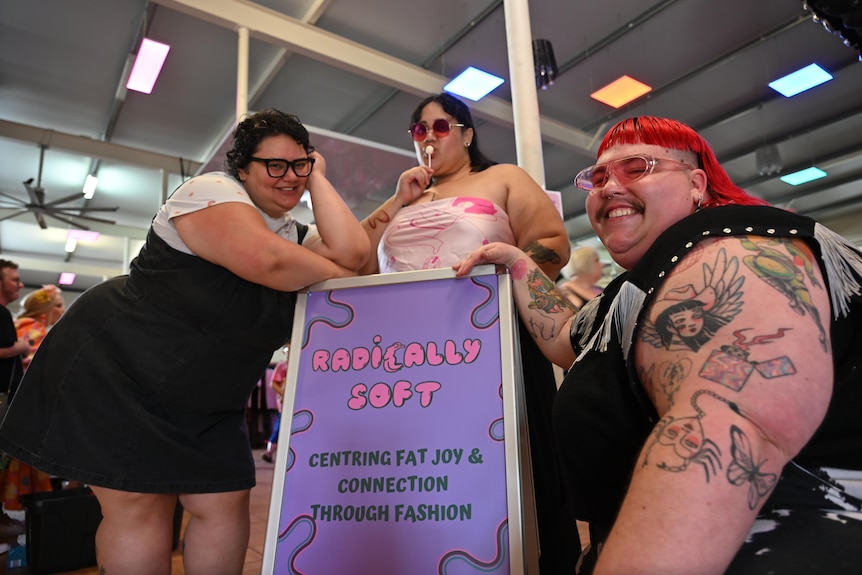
440 233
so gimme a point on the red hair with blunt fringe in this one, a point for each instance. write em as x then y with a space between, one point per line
675 135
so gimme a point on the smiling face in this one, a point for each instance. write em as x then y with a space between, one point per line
629 218
687 322
274 196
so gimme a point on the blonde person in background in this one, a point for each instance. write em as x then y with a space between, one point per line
42 309
583 272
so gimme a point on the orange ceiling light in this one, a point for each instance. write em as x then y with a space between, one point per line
621 91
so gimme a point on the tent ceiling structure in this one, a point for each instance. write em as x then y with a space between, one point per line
354 71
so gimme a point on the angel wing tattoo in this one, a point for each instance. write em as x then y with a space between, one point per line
687 317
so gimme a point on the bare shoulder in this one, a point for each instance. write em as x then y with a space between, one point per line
505 167
508 171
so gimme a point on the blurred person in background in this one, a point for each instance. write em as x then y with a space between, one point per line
41 310
13 349
583 273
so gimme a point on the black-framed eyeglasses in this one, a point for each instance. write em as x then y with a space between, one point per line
440 127
277 167
625 170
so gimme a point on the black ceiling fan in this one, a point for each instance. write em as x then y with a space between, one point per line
53 209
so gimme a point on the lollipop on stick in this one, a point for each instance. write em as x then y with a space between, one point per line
429 150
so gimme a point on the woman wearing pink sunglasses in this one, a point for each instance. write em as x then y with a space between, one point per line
454 201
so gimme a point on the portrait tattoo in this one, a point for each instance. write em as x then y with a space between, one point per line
686 318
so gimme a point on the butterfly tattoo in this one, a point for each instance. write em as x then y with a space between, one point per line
743 469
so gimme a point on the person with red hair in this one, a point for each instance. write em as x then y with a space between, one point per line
709 421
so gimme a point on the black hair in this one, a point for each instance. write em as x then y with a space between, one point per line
458 110
254 129
711 324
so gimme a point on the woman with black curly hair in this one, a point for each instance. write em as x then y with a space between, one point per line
140 390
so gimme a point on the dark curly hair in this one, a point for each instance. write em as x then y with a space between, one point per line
252 131
458 110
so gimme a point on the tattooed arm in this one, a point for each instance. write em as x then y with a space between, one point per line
733 356
539 230
543 309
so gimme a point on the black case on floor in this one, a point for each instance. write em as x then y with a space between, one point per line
61 529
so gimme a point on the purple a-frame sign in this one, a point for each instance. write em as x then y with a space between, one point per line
405 450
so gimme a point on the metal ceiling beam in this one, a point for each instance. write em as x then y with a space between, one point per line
790 134
89 147
826 161
781 28
615 35
849 66
281 30
359 119
31 263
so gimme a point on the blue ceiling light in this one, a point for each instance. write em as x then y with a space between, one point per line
803 176
473 84
800 80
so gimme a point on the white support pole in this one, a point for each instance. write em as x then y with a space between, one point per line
528 142
164 195
127 254
242 74
525 101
